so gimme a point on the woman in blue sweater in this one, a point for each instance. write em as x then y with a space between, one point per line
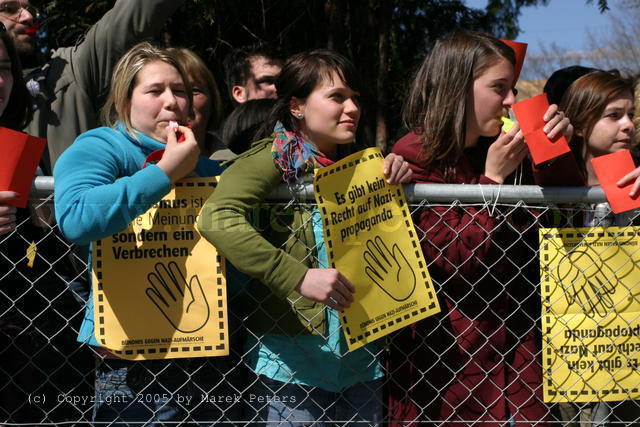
100 187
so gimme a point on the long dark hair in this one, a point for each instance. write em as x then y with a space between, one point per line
18 112
437 107
301 74
242 126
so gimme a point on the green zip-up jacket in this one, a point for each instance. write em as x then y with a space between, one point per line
73 84
278 256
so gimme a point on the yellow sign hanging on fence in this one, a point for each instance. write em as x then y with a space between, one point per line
371 240
590 313
159 288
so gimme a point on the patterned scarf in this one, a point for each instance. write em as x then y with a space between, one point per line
294 155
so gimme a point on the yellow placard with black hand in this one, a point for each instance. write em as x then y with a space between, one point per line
371 240
159 288
590 313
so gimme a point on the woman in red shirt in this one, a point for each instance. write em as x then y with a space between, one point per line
477 360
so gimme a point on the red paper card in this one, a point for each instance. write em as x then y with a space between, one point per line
19 157
530 113
609 169
520 49
543 149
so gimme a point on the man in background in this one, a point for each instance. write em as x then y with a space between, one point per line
251 72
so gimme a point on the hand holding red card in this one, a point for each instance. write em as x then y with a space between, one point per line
609 169
156 156
530 114
19 157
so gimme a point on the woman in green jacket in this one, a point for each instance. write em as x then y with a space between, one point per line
295 344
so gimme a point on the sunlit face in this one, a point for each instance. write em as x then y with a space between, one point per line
17 17
614 130
158 97
330 114
202 110
489 99
6 77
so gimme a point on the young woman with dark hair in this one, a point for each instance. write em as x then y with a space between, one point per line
296 346
478 360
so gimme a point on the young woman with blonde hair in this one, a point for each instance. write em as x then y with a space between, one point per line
100 187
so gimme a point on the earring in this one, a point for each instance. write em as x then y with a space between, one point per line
299 115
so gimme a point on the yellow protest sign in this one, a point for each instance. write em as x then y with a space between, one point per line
371 240
590 313
159 289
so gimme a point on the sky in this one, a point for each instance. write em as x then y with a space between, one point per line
563 21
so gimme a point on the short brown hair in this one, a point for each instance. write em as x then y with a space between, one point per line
585 101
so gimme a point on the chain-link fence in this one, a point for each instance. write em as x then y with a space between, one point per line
511 334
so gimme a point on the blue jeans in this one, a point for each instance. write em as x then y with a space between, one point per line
282 404
203 390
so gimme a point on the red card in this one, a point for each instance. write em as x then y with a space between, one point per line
543 149
609 169
530 113
520 49
19 157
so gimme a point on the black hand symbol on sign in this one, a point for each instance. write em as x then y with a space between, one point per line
389 270
169 291
591 287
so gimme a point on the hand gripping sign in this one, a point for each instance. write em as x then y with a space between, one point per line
371 240
159 288
590 313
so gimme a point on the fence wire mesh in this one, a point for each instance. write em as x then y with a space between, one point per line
481 360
